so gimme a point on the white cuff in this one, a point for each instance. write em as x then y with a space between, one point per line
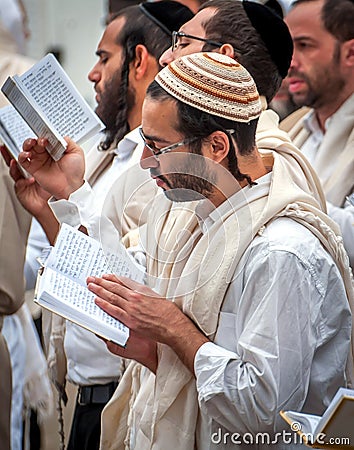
77 210
208 351
210 364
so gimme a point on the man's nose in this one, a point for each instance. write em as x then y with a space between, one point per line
166 57
147 160
94 75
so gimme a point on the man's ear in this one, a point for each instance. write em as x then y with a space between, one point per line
139 66
348 53
219 146
228 50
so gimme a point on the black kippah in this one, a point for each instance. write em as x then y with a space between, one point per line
168 15
274 5
274 33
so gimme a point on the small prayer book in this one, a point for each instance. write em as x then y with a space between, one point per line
334 429
61 283
50 105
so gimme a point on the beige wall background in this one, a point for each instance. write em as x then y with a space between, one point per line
74 27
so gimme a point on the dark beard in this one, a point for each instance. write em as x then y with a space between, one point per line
183 195
187 188
116 101
192 180
323 86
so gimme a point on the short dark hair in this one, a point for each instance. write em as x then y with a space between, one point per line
231 25
138 29
337 17
193 122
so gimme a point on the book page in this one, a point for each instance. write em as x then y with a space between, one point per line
78 256
16 127
34 117
59 100
76 302
304 423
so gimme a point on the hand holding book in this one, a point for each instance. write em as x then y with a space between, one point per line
50 106
61 285
59 178
46 104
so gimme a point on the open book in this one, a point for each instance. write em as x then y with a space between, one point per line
48 101
335 429
61 284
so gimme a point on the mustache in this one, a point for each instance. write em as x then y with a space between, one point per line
155 173
296 74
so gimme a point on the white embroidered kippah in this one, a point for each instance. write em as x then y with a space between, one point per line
214 83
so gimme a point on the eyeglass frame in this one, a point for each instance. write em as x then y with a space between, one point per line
176 34
156 152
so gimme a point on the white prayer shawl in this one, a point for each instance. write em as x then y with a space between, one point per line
336 149
162 410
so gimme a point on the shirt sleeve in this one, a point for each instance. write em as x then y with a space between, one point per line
37 240
81 210
264 348
345 219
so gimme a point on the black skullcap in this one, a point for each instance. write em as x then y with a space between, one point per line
168 15
274 33
275 6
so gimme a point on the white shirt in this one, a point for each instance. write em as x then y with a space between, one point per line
88 360
37 240
312 144
13 333
311 148
11 19
282 339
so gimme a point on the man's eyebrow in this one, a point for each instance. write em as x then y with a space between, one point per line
101 52
154 138
304 38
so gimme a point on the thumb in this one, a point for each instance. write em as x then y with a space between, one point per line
72 146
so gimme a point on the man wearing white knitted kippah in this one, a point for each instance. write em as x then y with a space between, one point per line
234 323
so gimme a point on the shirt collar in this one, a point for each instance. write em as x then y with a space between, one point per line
127 145
207 214
311 122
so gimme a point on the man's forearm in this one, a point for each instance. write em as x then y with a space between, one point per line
185 340
49 223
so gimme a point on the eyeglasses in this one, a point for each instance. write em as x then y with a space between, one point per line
159 151
178 34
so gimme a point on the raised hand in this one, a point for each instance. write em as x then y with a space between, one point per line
32 197
59 178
